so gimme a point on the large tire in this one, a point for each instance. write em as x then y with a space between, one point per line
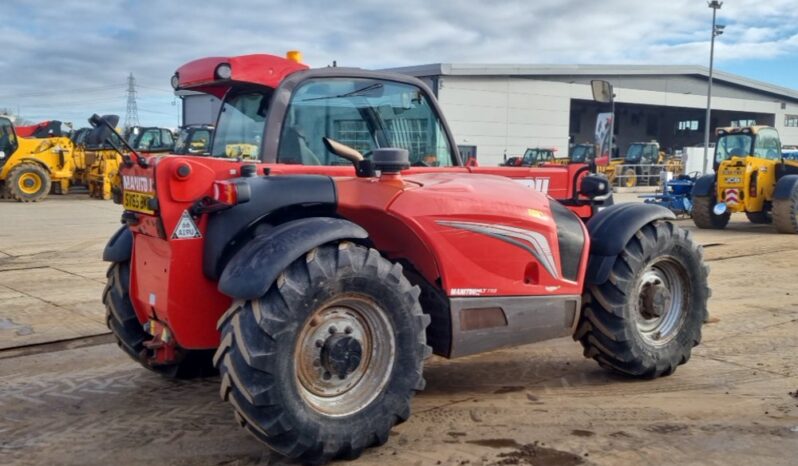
28 182
704 217
761 217
645 319
273 364
130 336
629 178
785 213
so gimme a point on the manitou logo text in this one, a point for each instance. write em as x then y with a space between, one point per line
538 184
141 184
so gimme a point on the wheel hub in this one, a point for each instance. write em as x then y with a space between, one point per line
663 296
344 355
341 355
655 297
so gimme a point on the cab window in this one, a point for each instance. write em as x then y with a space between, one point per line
365 114
8 139
767 145
241 124
733 145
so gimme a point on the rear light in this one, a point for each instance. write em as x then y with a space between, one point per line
230 192
225 192
175 81
753 185
223 71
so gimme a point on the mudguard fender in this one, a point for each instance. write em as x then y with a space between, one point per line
119 247
611 229
704 186
253 269
785 187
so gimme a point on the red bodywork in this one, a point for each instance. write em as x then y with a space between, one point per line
400 214
27 131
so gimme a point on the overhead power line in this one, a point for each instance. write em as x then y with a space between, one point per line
63 91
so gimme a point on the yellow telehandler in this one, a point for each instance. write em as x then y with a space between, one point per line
31 167
751 176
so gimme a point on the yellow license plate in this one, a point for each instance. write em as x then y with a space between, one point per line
138 202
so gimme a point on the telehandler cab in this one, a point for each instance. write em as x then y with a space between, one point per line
320 289
751 176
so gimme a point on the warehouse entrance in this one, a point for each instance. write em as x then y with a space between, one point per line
673 127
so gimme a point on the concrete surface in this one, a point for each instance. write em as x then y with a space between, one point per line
81 401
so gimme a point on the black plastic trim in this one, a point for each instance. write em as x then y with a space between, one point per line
570 238
267 195
120 246
254 268
611 229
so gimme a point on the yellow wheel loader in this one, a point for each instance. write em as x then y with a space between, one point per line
751 176
30 168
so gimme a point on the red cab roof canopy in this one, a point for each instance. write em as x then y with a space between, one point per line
260 69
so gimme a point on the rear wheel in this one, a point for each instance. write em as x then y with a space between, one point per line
326 362
785 213
646 318
704 215
130 336
761 217
28 182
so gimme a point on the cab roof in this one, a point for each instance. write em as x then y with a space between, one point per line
259 69
741 129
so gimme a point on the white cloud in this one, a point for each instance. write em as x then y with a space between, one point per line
97 42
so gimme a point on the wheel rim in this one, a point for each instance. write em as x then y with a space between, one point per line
344 356
29 183
662 301
631 179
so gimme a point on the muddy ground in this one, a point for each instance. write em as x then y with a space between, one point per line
68 396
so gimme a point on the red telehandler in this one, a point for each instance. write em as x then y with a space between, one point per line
342 243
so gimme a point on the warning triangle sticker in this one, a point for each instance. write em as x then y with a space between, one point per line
186 228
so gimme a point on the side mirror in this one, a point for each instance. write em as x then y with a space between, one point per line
363 167
594 187
342 150
602 91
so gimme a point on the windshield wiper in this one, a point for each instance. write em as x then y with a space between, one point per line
370 87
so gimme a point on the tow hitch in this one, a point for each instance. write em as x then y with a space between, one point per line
161 349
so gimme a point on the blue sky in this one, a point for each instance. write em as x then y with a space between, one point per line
68 60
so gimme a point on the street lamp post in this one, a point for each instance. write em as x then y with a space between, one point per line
716 31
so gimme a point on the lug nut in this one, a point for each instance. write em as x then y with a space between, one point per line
327 376
333 330
319 343
348 330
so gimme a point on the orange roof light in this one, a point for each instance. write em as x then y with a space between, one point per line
294 55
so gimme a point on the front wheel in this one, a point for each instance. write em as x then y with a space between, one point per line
704 215
326 362
28 182
644 320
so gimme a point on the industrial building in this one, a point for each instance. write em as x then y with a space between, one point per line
500 110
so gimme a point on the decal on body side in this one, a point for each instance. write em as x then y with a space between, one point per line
528 240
